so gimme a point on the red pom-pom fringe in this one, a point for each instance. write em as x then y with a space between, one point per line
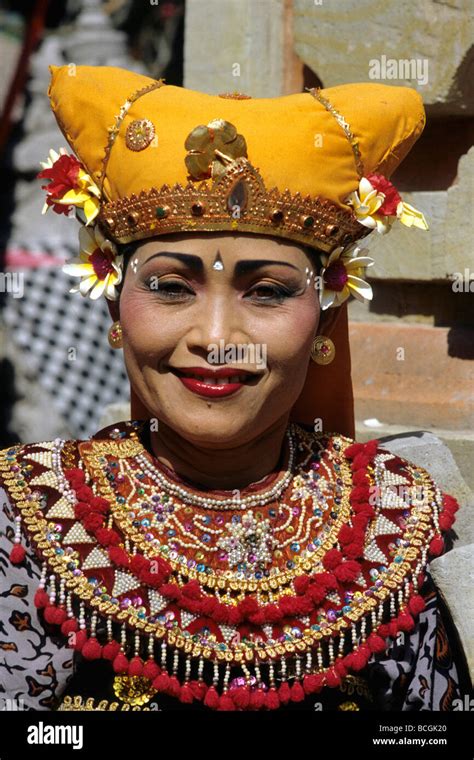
92 650
151 670
297 692
376 643
211 699
416 604
186 695
110 650
17 554
437 546
41 598
54 615
69 626
120 663
136 667
272 700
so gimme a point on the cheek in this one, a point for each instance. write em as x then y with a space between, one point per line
146 333
290 337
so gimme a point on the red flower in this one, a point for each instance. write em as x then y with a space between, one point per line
62 177
392 198
58 208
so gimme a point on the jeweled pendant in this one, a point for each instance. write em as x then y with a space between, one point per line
238 196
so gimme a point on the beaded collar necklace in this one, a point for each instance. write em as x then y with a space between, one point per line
234 502
233 632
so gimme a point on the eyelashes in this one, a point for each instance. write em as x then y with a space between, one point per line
274 293
168 289
177 290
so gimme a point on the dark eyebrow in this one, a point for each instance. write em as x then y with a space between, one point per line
192 261
247 265
241 267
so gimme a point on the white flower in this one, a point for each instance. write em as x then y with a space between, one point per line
342 275
365 203
99 265
52 158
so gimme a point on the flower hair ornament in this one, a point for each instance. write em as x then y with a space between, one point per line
377 204
70 187
115 200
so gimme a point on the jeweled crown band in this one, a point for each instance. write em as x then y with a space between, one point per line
237 201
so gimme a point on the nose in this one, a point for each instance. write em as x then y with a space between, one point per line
216 319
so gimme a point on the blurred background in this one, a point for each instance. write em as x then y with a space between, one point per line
412 347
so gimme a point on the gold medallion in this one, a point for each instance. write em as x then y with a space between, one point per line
139 134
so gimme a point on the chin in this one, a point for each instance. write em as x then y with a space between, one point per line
214 426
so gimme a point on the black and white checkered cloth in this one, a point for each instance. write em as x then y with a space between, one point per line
62 337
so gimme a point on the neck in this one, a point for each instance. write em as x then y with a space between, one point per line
223 469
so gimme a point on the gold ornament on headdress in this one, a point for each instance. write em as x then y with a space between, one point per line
237 199
212 148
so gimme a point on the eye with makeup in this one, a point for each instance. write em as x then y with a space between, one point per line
168 288
270 293
176 289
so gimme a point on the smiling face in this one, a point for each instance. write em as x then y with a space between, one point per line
217 331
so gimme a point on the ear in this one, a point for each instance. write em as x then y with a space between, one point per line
114 309
327 321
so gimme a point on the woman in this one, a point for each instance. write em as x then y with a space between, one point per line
224 549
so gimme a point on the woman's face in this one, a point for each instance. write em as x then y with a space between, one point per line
238 304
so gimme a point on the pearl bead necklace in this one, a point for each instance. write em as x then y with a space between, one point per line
228 503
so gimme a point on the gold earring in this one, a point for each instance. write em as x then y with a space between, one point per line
323 350
115 335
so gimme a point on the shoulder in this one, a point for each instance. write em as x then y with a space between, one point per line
392 492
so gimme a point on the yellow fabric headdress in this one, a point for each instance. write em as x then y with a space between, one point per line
311 167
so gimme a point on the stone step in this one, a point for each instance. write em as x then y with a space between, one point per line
413 375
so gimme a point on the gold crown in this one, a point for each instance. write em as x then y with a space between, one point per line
237 200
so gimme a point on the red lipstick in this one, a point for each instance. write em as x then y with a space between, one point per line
228 380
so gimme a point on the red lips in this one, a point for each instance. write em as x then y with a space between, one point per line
193 379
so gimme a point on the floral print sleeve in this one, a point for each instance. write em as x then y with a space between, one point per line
418 672
35 665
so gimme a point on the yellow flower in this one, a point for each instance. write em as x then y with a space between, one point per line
342 275
377 204
411 217
85 196
69 185
99 266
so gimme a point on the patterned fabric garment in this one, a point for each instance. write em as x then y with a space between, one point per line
38 670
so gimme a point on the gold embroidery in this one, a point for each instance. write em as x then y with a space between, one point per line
316 93
352 684
280 583
317 222
140 133
70 704
133 690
